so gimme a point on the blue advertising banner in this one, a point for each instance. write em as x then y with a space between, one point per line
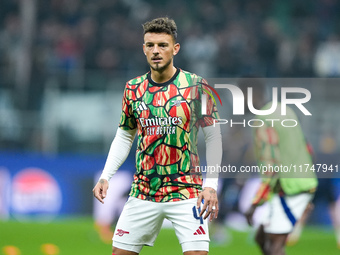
42 186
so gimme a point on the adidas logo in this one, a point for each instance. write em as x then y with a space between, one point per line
142 107
199 231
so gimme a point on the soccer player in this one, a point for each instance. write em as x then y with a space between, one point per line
164 108
288 195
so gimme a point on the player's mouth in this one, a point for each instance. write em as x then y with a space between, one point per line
156 59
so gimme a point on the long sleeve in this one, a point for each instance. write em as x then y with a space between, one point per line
119 151
213 141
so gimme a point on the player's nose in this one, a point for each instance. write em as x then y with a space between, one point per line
155 50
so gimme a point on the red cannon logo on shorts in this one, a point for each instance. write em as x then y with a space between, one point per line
121 232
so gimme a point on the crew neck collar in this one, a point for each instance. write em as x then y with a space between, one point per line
163 83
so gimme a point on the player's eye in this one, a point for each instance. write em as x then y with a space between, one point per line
149 45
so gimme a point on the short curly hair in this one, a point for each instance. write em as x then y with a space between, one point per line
161 25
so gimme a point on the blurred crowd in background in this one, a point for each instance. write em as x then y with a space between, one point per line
89 45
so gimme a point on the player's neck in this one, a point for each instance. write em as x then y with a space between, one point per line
161 77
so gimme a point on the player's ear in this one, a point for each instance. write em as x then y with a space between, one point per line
144 49
177 46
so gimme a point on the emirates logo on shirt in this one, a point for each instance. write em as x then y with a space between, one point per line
160 126
158 121
121 232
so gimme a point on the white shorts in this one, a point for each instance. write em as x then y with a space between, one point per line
140 223
285 212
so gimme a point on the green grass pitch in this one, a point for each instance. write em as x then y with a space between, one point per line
77 236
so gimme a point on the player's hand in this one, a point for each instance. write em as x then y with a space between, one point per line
100 190
249 214
210 206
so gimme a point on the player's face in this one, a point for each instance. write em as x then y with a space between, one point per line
159 49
